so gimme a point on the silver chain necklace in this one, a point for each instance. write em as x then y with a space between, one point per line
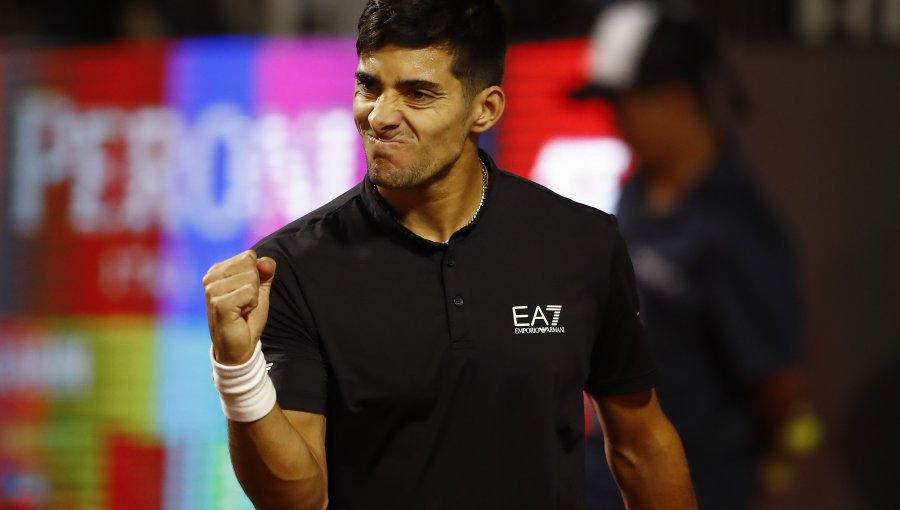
484 179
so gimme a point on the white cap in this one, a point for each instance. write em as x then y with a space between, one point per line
618 41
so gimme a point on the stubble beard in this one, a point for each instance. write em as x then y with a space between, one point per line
423 170
389 175
396 178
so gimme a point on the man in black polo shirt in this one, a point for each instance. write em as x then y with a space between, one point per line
444 315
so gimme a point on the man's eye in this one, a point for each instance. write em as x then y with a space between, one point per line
365 88
418 95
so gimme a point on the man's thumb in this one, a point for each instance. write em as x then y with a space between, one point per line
266 268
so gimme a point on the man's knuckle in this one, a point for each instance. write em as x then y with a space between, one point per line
210 275
218 304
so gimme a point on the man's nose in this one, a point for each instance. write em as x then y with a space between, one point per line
385 114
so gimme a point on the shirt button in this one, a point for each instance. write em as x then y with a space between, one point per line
451 262
458 301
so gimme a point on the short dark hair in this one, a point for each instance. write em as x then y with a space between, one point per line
473 31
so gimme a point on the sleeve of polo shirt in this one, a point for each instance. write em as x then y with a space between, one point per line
621 362
289 342
754 299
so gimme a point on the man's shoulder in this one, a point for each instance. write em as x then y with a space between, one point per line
529 198
314 224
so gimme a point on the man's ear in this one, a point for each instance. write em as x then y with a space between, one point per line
487 108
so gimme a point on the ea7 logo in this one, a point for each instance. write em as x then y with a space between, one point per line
538 320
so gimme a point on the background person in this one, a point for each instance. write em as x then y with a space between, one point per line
714 269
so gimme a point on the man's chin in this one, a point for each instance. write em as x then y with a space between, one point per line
389 175
389 183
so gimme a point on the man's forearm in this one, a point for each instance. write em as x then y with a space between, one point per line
275 464
653 474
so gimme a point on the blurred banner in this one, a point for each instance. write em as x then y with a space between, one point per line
125 172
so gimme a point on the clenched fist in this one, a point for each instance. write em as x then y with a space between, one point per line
237 304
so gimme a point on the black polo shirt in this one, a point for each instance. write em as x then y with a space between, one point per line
452 374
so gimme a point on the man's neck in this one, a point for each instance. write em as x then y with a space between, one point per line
437 209
670 180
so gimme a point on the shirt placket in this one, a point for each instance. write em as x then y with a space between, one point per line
455 296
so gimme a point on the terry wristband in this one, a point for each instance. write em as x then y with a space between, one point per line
246 391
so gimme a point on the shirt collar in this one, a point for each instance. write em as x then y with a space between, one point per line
383 215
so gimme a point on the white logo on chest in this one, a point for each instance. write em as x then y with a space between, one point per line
537 320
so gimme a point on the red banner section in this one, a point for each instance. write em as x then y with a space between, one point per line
539 77
79 205
135 474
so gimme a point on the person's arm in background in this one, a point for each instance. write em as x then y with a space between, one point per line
790 425
644 452
757 319
776 397
279 458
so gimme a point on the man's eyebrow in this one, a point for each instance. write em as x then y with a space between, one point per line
364 77
419 84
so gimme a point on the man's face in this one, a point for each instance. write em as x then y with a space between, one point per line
651 119
641 116
412 114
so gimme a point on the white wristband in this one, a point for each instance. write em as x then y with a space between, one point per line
246 391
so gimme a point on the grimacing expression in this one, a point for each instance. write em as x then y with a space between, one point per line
412 113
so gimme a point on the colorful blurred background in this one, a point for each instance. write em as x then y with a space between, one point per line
141 141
